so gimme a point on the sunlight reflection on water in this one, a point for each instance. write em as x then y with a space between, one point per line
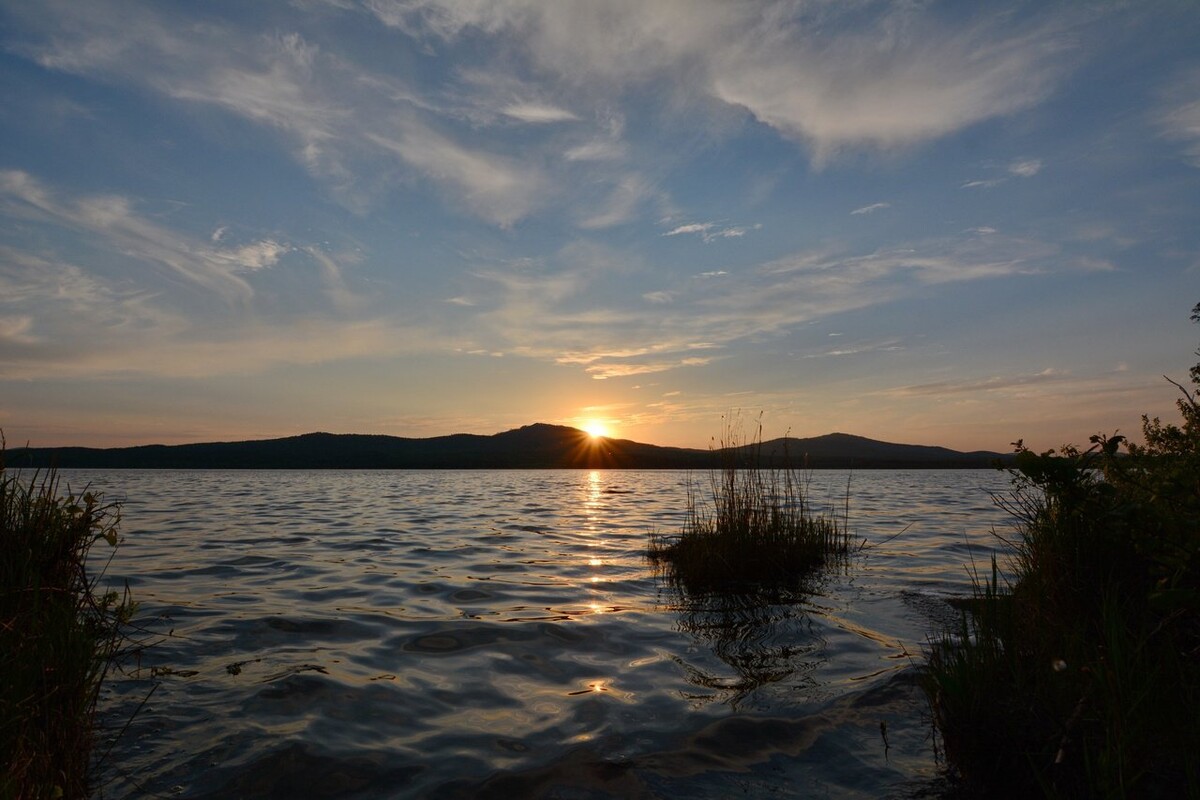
390 634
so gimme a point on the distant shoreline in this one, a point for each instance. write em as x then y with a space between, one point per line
538 446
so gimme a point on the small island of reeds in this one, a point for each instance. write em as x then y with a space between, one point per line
754 528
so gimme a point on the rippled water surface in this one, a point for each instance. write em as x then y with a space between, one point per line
500 634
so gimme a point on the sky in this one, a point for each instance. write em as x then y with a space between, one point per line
943 223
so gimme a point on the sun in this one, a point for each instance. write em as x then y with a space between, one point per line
595 428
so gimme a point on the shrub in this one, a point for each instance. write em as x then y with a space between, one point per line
58 634
1080 676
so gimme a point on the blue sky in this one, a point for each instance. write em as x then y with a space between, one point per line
947 223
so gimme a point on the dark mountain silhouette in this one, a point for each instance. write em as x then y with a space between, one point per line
537 446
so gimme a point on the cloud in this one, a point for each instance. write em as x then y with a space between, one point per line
111 219
691 227
605 371
278 80
1025 168
813 72
906 79
70 323
596 150
16 330
557 309
606 144
1178 114
709 231
253 256
538 113
1089 264
336 117
147 290
781 294
621 205
71 302
888 346
975 385
244 349
1021 168
494 187
871 208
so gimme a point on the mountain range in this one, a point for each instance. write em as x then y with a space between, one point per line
538 446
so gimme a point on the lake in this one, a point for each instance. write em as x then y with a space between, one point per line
500 634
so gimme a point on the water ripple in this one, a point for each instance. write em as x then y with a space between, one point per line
463 634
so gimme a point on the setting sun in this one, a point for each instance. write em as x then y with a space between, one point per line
595 428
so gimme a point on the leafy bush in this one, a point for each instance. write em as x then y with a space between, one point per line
1080 676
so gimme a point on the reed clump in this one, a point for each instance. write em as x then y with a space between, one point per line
754 529
1077 674
58 634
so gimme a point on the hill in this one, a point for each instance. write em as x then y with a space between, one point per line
537 446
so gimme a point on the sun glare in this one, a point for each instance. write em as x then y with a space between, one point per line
595 428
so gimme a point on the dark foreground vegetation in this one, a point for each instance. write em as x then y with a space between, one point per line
1076 670
756 528
58 635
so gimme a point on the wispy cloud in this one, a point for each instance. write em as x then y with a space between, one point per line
1178 115
604 371
553 313
114 221
564 71
336 117
152 299
870 87
621 205
238 350
492 186
1018 168
871 208
805 70
538 113
596 150
1090 264
989 384
711 231
886 346
17 329
253 256
1025 167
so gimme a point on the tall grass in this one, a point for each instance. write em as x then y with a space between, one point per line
755 528
58 634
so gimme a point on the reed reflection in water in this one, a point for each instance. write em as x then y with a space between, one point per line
763 638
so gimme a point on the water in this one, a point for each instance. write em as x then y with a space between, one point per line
500 634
